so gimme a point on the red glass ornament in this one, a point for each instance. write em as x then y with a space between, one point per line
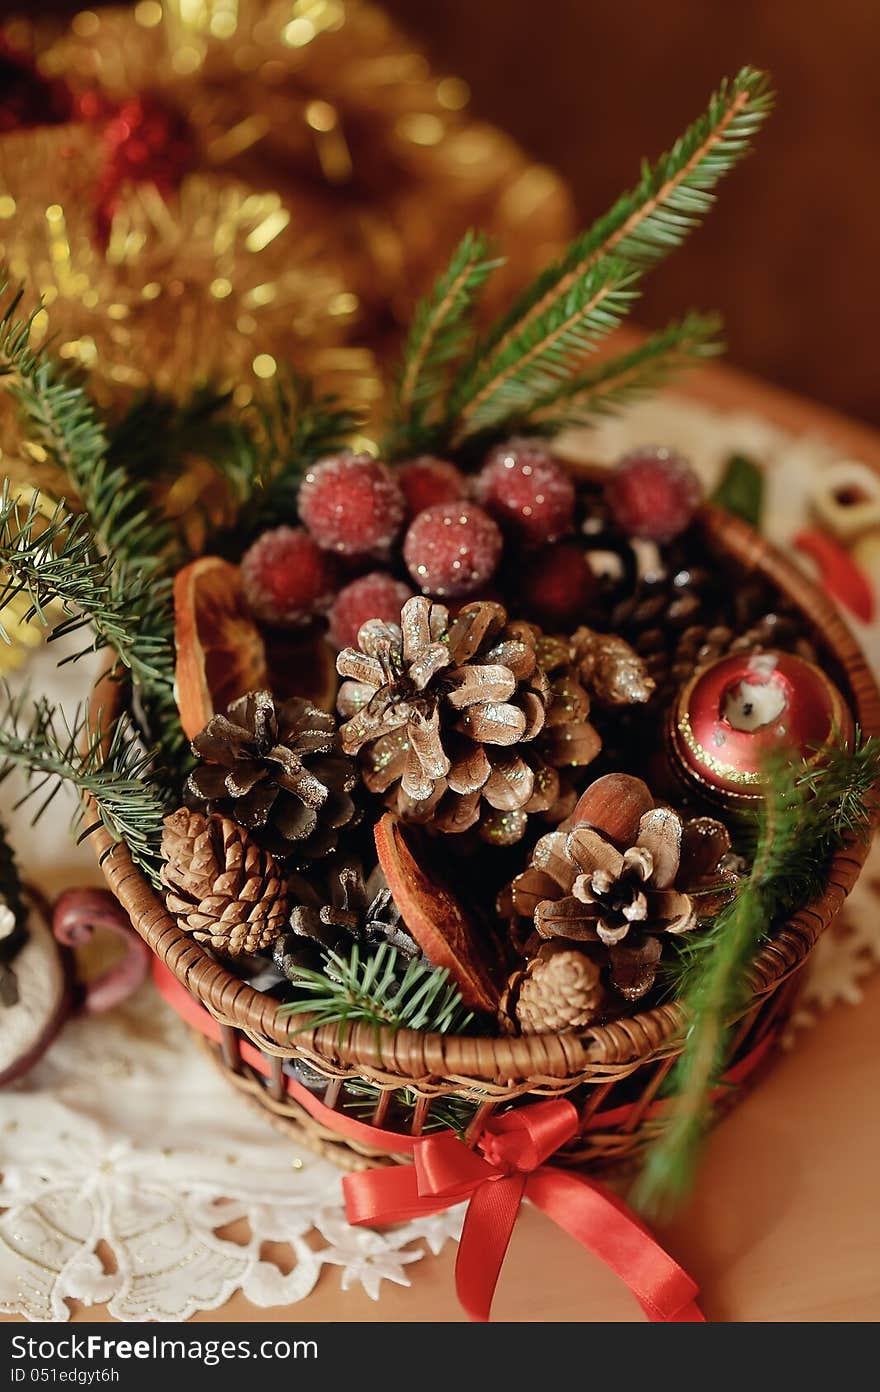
733 714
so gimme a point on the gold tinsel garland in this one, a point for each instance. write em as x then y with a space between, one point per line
332 173
315 120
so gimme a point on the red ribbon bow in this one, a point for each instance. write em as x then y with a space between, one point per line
512 1167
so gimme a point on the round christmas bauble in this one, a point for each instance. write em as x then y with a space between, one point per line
527 491
353 504
735 713
374 596
452 549
653 493
426 481
286 578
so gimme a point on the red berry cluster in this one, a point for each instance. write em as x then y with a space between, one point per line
356 509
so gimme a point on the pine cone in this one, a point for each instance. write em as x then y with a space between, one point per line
220 885
457 723
277 768
560 989
345 910
581 888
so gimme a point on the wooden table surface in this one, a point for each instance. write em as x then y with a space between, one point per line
784 1224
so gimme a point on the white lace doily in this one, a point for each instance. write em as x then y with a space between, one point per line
97 1143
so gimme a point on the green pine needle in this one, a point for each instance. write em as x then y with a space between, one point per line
537 356
55 561
629 376
377 990
52 749
670 199
441 330
810 813
289 427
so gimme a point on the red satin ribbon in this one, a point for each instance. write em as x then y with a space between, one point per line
512 1167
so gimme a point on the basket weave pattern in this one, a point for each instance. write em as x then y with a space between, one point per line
602 1067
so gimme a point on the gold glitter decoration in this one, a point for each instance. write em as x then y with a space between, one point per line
183 293
326 101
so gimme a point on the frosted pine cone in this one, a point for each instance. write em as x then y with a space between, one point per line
446 717
220 885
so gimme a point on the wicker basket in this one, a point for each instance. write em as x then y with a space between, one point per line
612 1072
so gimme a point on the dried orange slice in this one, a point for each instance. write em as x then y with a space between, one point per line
220 653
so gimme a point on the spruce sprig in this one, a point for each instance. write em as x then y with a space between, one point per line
810 812
53 749
543 351
441 330
629 376
644 224
287 429
374 990
54 561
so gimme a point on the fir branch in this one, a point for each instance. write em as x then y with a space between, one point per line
615 383
52 750
65 424
53 561
543 352
810 812
441 329
641 227
373 990
156 433
288 429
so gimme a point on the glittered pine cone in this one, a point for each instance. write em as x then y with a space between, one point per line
610 669
559 989
582 887
455 720
220 885
278 769
344 910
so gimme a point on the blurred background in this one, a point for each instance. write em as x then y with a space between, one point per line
790 258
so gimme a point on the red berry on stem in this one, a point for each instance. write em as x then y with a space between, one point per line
558 584
374 596
653 493
527 491
426 481
286 578
353 504
452 549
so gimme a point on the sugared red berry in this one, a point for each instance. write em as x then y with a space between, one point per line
452 549
653 493
558 585
527 491
353 504
374 596
426 481
286 578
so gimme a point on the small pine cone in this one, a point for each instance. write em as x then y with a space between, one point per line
219 884
560 989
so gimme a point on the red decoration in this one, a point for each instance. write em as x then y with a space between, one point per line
374 596
426 481
527 491
840 575
734 713
452 549
653 493
145 141
558 584
353 504
286 578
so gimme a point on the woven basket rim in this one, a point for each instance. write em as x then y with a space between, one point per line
409 1054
